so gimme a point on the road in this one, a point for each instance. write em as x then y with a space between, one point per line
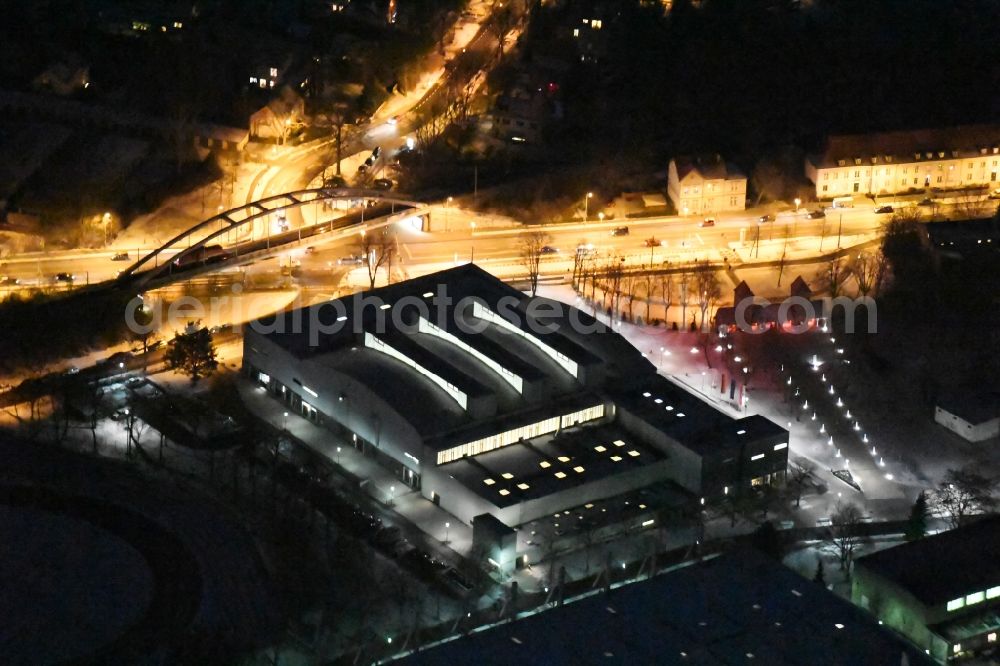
679 239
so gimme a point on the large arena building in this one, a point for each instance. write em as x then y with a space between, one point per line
492 402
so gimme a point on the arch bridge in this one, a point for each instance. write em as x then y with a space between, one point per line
261 227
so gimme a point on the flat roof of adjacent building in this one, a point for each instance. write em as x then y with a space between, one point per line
550 464
692 421
973 406
945 566
741 607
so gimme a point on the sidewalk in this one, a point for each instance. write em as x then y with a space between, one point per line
447 535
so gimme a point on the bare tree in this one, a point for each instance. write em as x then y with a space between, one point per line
832 277
580 256
972 204
964 493
708 288
768 181
613 274
685 282
501 22
629 285
844 537
647 285
868 270
799 478
460 87
377 249
431 122
666 295
532 246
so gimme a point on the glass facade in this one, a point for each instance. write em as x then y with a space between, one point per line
515 435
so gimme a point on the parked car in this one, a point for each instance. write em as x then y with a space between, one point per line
9 281
708 222
995 194
376 153
335 181
619 231
881 210
120 256
548 249
363 168
382 184
351 259
816 214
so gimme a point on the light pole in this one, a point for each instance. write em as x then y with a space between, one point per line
284 421
392 495
447 531
447 213
586 217
338 455
798 202
472 244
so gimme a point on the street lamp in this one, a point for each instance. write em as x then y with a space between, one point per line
338 455
798 202
447 212
590 195
284 421
392 495
447 529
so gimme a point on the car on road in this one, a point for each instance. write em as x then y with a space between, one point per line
351 259
393 121
708 222
815 214
619 231
653 242
120 256
9 281
310 250
995 194
548 249
382 184
584 248
376 153
62 277
363 168
765 218
73 370
926 201
882 210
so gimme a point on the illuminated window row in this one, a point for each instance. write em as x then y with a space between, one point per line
429 328
567 364
378 345
974 598
515 435
582 416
